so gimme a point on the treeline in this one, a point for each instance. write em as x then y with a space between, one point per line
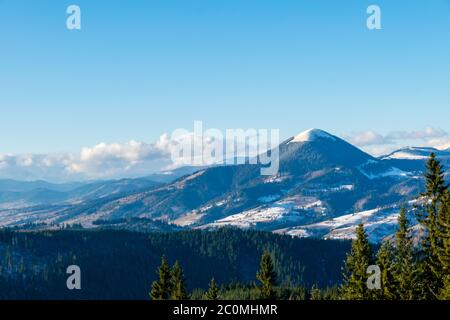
171 285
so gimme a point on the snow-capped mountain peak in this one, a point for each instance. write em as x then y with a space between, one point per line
411 153
312 135
445 147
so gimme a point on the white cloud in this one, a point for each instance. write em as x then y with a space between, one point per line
427 133
367 138
112 160
378 144
102 161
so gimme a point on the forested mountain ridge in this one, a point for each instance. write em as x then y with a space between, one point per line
121 264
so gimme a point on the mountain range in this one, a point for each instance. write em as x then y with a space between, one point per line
324 188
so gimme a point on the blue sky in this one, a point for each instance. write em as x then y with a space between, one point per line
138 69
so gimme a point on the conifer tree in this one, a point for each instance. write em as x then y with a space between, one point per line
213 291
435 181
315 293
429 266
445 292
355 270
178 283
385 257
443 251
267 276
161 288
404 264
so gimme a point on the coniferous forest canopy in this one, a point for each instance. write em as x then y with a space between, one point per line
121 264
235 264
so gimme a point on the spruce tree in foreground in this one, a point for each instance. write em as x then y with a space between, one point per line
161 289
213 291
267 276
385 257
355 269
178 283
429 267
443 252
404 262
315 293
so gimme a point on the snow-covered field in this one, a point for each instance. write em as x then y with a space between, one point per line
288 209
379 223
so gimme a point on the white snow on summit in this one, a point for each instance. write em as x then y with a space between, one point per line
444 147
311 135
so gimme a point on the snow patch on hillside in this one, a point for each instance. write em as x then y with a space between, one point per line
285 210
392 172
379 223
268 199
277 178
406 156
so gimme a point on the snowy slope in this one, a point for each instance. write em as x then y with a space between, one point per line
379 223
416 153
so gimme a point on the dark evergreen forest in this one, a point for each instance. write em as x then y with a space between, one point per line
121 264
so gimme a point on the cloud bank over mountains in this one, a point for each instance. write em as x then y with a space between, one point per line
378 144
107 160
102 161
137 159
